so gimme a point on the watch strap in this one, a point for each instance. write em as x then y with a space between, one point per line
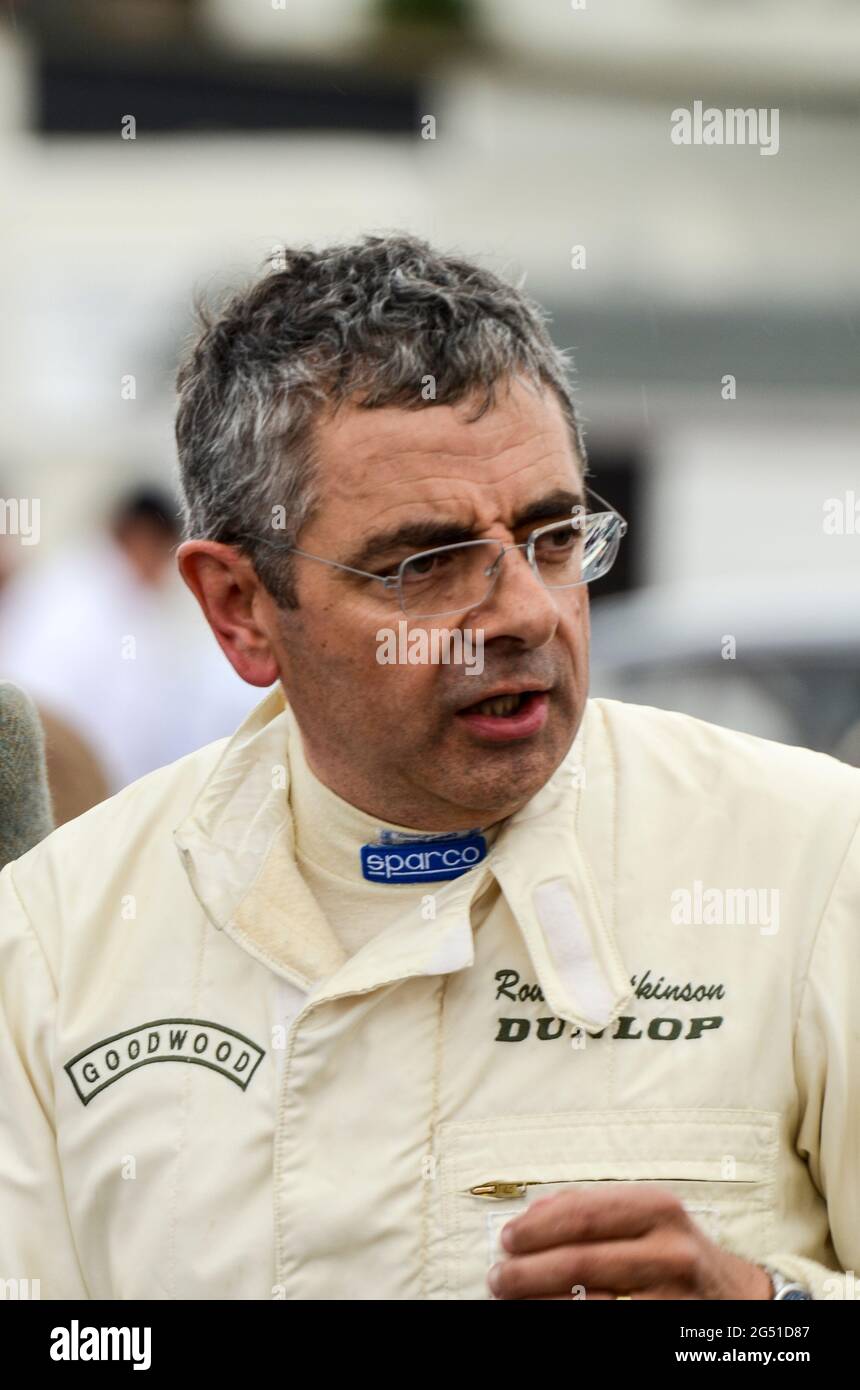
785 1288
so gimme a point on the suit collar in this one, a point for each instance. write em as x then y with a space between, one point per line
236 844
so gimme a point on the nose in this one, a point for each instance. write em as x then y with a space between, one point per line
519 605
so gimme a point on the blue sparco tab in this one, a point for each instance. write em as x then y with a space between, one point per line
422 861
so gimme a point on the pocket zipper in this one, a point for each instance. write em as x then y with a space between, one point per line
499 1191
506 1191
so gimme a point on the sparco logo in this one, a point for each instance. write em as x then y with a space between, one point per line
164 1040
410 863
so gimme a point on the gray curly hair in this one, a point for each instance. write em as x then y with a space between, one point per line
369 322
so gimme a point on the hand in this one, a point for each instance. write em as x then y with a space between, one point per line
637 1241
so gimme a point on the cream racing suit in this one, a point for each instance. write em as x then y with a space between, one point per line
651 977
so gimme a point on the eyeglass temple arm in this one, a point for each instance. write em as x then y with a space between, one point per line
386 579
608 505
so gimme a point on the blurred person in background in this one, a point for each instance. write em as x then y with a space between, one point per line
107 641
26 814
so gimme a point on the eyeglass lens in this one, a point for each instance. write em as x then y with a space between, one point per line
454 578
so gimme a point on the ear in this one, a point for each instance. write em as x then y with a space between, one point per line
233 600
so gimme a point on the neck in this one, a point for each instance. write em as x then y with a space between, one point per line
331 830
401 807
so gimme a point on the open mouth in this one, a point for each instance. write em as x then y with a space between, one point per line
502 706
504 717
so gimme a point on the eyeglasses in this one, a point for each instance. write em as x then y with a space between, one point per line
454 578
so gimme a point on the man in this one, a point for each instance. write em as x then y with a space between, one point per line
434 941
109 643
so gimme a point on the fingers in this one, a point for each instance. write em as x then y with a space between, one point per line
656 1268
590 1217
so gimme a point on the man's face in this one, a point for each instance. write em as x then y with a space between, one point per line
393 739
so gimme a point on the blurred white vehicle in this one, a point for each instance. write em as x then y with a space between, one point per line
777 656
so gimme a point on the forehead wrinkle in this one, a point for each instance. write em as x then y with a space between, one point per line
461 503
388 449
465 507
525 464
481 484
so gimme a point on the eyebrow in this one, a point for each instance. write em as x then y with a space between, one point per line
425 534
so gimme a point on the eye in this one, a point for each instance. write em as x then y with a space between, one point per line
387 571
424 566
560 542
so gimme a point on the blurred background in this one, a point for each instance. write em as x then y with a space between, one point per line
153 148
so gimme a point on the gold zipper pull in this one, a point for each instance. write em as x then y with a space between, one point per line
499 1189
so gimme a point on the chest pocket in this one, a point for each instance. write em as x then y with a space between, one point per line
720 1163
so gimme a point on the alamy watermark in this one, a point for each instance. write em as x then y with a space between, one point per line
735 126
842 515
20 516
86 1343
752 907
20 1290
435 646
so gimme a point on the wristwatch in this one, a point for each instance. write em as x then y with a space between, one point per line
784 1287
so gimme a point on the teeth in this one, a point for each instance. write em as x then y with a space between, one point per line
502 704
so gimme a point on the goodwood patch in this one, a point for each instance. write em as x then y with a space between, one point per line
164 1040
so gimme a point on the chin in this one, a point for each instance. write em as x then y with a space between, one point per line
492 795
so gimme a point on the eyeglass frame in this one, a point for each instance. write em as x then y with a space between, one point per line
393 581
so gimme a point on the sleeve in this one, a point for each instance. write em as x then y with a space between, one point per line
36 1242
827 1062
